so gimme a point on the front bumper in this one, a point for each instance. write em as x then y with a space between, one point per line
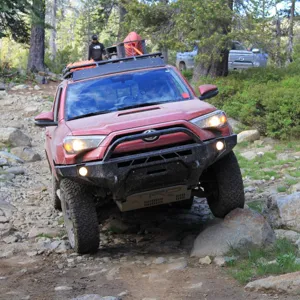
131 174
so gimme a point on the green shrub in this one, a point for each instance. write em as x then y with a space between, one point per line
266 99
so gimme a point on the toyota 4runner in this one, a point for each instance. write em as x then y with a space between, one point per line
132 130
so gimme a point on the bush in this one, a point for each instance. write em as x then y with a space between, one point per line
266 99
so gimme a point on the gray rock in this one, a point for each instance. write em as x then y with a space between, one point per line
290 235
14 137
236 125
3 162
7 208
251 154
37 88
45 231
220 261
205 260
26 154
284 211
176 266
20 87
248 136
10 157
95 297
3 219
287 283
295 188
63 288
159 260
241 229
10 239
15 170
3 94
30 111
6 176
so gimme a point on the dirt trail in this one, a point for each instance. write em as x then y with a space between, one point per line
151 260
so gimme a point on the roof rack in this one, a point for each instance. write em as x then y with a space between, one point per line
92 69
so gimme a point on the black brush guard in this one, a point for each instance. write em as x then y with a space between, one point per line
135 173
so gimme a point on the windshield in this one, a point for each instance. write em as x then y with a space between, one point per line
119 92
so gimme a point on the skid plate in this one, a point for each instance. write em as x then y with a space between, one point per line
155 197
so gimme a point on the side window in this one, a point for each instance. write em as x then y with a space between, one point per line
57 103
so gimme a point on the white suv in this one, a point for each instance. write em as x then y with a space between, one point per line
239 58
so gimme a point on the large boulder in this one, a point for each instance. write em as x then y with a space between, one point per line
14 137
248 136
287 283
284 211
26 153
240 230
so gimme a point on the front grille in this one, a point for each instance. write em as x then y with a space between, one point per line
155 158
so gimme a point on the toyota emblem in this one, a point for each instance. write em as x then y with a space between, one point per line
152 138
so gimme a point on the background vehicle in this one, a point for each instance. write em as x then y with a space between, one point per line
239 58
131 130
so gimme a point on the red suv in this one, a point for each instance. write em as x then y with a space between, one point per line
133 131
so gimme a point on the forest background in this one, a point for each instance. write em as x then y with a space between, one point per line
45 35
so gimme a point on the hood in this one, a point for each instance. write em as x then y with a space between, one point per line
140 117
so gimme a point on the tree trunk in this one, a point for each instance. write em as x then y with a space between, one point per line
291 34
122 14
37 38
278 40
52 41
217 65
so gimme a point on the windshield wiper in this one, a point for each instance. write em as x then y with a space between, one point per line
91 114
141 105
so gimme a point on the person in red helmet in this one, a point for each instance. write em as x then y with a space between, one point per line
96 49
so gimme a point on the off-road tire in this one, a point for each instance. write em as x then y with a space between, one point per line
55 199
185 204
227 187
182 66
80 217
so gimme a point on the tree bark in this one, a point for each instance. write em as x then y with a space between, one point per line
291 34
52 41
37 38
122 14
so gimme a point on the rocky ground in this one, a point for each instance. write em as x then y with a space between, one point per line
143 254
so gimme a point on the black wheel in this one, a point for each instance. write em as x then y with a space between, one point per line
80 217
185 204
223 180
55 199
182 66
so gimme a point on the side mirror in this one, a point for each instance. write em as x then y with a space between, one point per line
255 50
45 119
208 91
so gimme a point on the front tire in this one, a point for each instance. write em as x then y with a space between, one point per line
80 217
225 185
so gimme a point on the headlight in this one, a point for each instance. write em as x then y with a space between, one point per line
213 120
76 144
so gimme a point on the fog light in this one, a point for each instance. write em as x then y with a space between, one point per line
220 146
83 171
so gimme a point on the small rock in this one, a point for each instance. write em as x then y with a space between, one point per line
287 283
248 136
159 260
7 176
10 157
290 235
26 154
196 285
3 219
14 137
32 253
36 87
30 111
20 87
176 266
15 170
95 297
63 288
3 162
10 239
3 94
205 260
220 261
295 188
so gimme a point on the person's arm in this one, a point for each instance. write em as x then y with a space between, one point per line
103 49
90 52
